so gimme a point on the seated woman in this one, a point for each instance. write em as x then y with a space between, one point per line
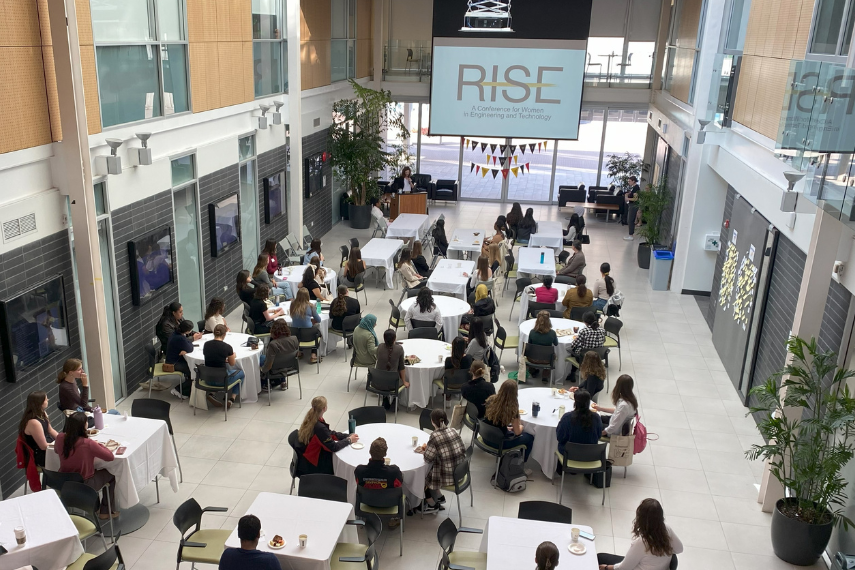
546 556
589 337
543 335
214 314
604 287
313 285
653 542
376 212
411 277
497 238
443 450
482 274
72 399
314 251
546 294
35 426
365 343
527 226
245 288
390 356
77 454
260 314
173 313
458 360
580 425
593 375
179 345
503 411
272 259
343 306
424 309
304 315
317 442
419 261
483 307
494 256
478 342
578 296
626 406
353 267
514 217
261 277
281 342
574 229
479 388
440 241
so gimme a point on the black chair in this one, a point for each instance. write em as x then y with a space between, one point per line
214 380
201 325
368 415
489 438
570 194
470 420
424 183
155 368
563 257
359 285
541 354
309 338
510 270
545 511
110 559
424 332
582 458
344 254
522 283
385 503
424 420
284 366
56 481
199 545
446 190
565 279
395 320
555 314
81 503
578 313
612 328
154 409
534 308
673 565
451 383
446 536
503 341
348 326
323 486
462 481
354 243
384 383
294 468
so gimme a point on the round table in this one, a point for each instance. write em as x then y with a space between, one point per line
246 359
543 426
432 366
562 289
452 310
324 328
294 276
399 438
561 353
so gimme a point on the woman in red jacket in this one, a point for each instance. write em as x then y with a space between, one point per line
318 442
77 454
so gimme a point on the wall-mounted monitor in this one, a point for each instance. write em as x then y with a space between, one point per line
315 179
151 265
224 222
273 196
34 325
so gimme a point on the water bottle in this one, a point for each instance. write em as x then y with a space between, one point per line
351 425
99 418
318 306
277 300
541 257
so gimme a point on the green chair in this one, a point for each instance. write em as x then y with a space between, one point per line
446 536
462 481
155 369
395 319
309 338
110 559
385 503
199 545
491 439
346 553
81 503
582 458
612 328
384 383
212 380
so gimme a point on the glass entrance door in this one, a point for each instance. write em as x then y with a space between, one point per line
108 280
249 214
186 215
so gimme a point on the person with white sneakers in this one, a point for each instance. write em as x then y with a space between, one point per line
632 207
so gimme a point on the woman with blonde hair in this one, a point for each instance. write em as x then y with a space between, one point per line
317 442
503 412
593 375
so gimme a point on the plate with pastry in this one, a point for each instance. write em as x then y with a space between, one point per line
276 542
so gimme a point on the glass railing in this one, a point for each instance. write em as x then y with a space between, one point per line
405 60
722 91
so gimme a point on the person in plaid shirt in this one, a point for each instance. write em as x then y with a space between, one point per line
589 338
444 450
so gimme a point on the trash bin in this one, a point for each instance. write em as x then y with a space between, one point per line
660 269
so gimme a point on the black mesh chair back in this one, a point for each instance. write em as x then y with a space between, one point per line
534 308
541 354
383 382
380 498
310 334
211 375
565 279
555 314
612 326
82 501
545 511
349 324
201 325
578 313
344 254
424 420
152 409
110 559
56 481
419 324
368 415
585 452
453 380
323 486
424 332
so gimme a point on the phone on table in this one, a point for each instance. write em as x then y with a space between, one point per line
586 535
123 449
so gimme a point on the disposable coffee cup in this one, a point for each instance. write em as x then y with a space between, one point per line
574 534
561 411
303 540
439 358
459 264
415 440
20 535
387 461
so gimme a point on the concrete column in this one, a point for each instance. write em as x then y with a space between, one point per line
810 307
295 120
73 152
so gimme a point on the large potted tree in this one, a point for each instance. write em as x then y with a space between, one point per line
652 203
808 423
357 145
621 166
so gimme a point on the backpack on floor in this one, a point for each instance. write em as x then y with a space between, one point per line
492 362
511 477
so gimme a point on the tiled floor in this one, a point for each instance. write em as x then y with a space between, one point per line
696 467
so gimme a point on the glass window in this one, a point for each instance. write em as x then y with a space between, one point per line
249 213
170 20
269 50
128 84
626 131
267 60
338 60
173 57
246 147
268 20
533 184
183 170
578 160
339 19
343 45
122 21
738 24
100 199
827 26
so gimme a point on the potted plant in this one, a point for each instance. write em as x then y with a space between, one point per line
652 203
621 167
357 142
809 424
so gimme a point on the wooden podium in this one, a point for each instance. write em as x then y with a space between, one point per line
408 204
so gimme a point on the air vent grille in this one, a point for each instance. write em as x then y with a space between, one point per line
14 229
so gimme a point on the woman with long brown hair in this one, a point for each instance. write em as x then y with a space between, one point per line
313 283
411 277
260 314
515 216
419 261
77 454
35 426
304 315
626 406
244 286
653 542
314 251
261 277
503 412
353 267
72 398
272 260
341 307
424 309
578 296
214 314
482 274
592 373
494 255
543 335
546 556
317 442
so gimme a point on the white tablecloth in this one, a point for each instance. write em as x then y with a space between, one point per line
529 261
561 366
323 523
245 358
324 326
408 226
452 310
399 439
544 425
549 234
466 239
524 299
511 543
447 277
380 252
421 375
149 453
294 276
52 541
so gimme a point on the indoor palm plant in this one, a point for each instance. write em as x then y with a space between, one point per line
621 166
357 145
652 203
808 423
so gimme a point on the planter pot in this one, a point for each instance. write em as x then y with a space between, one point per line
644 255
795 541
360 216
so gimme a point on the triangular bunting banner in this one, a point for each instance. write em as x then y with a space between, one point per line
483 147
515 170
495 172
513 148
467 142
504 173
522 170
538 146
494 160
528 166
488 158
502 159
545 143
531 147
503 148
522 148
477 169
515 159
471 166
484 172
474 145
493 147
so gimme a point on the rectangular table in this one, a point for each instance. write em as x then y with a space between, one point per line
466 240
408 226
52 541
549 234
447 277
510 544
529 261
380 253
149 453
323 522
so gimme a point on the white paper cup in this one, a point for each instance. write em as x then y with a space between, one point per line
574 534
20 535
387 461
415 440
303 540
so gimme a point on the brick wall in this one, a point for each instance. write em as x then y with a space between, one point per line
220 271
317 211
270 163
720 259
